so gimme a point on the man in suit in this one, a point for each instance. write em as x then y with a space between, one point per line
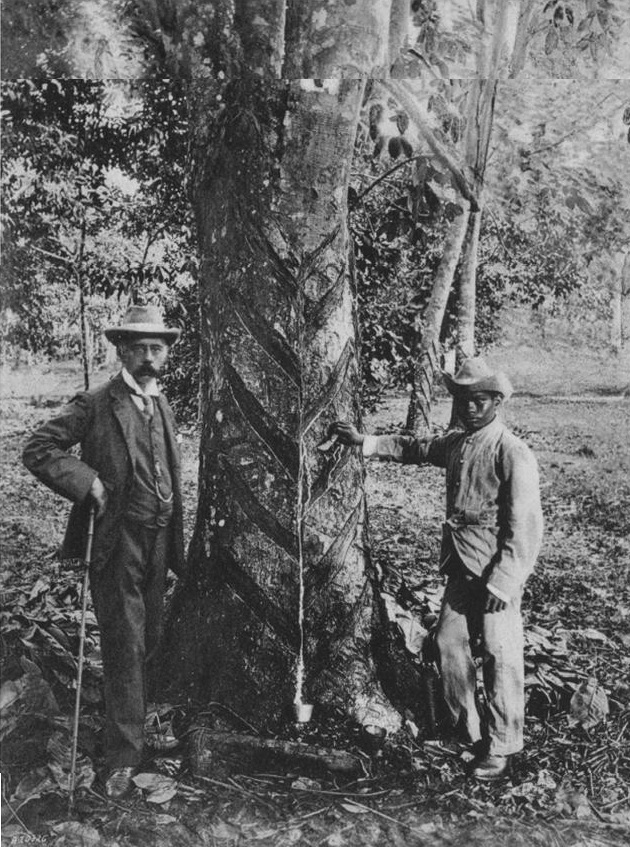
490 542
129 472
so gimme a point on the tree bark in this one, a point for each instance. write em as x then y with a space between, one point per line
86 346
338 40
280 604
399 22
616 326
625 304
526 20
466 307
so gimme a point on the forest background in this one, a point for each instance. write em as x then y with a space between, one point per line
533 207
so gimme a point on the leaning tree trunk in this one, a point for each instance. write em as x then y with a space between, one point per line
467 303
280 602
427 349
86 345
426 360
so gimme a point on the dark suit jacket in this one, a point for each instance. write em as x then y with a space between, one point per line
100 421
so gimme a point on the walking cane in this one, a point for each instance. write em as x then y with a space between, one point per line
77 702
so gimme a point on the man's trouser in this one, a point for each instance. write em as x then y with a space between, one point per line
462 621
128 597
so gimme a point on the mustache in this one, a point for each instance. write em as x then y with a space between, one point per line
147 370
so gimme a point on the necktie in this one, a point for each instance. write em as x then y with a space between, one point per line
148 406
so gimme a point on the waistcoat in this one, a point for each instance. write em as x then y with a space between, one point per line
151 500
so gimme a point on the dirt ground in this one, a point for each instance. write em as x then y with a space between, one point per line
570 787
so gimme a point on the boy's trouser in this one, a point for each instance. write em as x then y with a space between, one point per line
128 597
462 620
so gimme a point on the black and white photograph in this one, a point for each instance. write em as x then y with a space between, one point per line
315 423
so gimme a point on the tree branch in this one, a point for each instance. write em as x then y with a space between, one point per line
396 167
400 91
55 256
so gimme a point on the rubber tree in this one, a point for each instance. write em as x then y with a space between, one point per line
281 598
280 603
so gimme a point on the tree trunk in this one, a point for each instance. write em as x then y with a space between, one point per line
467 302
86 345
526 19
280 603
427 357
616 326
500 21
338 40
466 306
625 304
399 22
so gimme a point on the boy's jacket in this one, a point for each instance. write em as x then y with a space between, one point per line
493 514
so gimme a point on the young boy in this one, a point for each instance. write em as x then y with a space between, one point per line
490 541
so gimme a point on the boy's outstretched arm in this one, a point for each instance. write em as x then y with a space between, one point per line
392 448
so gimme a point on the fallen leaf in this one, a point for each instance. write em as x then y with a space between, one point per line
570 799
546 780
162 795
153 781
412 728
9 693
223 831
593 635
39 588
34 785
589 704
426 828
303 783
75 834
164 820
353 808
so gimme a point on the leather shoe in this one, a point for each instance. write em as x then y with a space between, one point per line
490 767
119 782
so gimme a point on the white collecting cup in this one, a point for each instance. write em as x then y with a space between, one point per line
303 712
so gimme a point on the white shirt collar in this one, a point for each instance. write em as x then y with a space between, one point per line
151 389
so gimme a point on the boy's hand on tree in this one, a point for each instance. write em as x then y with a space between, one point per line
346 432
493 604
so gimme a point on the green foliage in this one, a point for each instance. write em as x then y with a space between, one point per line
579 33
35 37
395 264
533 266
94 201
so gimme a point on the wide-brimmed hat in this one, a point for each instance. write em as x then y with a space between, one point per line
142 321
476 375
